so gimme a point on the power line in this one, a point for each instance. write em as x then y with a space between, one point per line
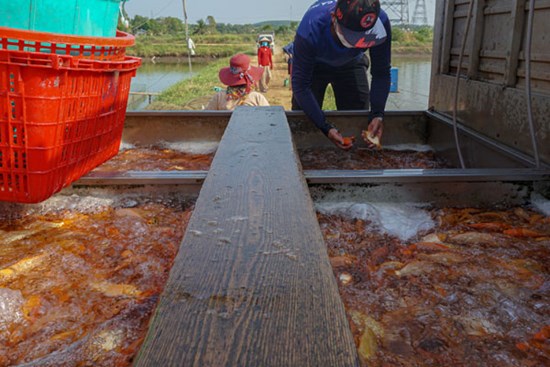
398 11
420 15
170 2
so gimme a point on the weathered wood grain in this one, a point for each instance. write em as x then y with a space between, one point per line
252 284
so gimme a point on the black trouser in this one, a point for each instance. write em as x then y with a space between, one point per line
349 83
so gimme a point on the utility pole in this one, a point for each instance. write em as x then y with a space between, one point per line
398 11
187 35
420 15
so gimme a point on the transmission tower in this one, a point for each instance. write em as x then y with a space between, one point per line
420 15
397 10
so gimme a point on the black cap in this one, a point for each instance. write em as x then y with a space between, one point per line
357 15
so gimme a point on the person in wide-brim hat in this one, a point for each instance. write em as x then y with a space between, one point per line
240 72
240 78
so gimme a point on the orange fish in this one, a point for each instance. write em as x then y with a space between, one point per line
490 226
523 232
348 140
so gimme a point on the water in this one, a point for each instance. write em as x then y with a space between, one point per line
80 282
156 77
413 86
403 220
413 83
462 290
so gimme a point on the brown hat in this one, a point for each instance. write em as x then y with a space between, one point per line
240 72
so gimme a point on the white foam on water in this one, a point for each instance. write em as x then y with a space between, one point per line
77 203
191 147
402 220
11 303
409 147
540 203
125 146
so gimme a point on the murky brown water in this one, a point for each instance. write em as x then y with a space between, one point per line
157 159
355 159
473 291
162 159
79 284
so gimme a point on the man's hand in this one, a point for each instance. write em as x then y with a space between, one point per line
375 130
338 140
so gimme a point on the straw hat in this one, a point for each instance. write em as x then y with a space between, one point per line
240 72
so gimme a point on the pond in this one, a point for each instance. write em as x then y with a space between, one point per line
413 83
156 77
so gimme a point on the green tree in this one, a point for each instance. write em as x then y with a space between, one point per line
267 28
139 23
171 25
200 27
283 30
211 22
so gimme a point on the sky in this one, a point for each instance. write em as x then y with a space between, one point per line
236 11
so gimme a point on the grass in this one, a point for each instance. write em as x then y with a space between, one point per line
191 93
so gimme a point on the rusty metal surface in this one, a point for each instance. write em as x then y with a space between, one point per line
149 128
481 149
406 127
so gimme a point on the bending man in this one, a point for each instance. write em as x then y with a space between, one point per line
329 48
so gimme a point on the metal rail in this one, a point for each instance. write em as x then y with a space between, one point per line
326 176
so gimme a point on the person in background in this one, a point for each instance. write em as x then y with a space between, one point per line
240 78
329 48
265 60
289 51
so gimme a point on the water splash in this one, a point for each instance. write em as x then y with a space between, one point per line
403 220
541 203
191 147
11 303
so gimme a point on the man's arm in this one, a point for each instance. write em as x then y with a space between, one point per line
380 58
302 75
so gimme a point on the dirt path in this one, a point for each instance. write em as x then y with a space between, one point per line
278 94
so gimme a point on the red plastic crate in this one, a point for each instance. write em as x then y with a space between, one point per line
93 48
60 117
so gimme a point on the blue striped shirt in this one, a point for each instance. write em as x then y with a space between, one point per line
314 43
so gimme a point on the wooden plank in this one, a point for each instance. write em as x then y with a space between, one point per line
438 38
447 44
476 32
512 60
543 57
252 284
494 54
499 8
